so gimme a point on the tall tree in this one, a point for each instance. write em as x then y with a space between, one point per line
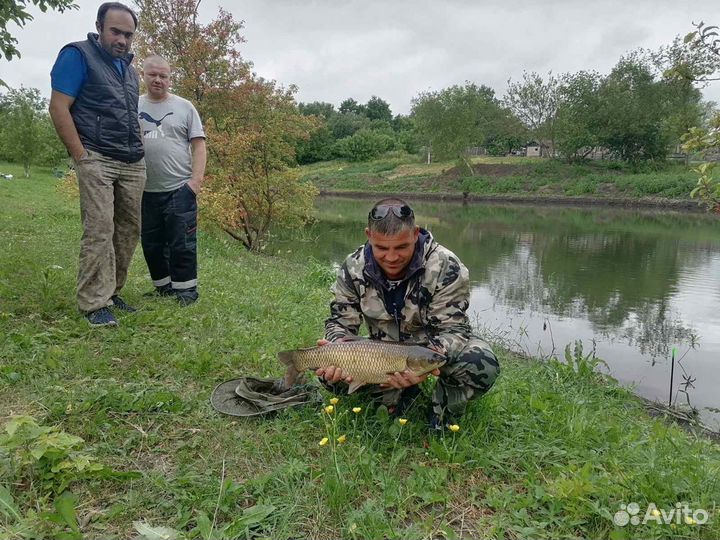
252 125
378 109
251 186
26 133
453 119
633 112
351 106
202 56
317 108
578 122
685 66
535 102
508 134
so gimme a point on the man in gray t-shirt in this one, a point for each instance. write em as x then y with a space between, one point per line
175 157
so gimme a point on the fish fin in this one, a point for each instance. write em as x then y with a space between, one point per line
286 357
291 375
354 386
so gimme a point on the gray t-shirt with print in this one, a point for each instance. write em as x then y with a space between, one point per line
167 128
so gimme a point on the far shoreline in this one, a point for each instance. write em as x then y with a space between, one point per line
658 203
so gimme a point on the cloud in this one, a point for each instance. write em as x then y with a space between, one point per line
335 49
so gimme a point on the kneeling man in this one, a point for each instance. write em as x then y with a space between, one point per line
407 287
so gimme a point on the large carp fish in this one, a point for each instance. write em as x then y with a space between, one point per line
366 361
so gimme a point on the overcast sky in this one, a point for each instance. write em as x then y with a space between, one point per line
334 49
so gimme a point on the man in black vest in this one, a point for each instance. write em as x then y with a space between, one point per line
94 106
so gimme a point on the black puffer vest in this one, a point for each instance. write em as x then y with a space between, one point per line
106 110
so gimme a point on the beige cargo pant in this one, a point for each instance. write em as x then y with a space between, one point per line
110 197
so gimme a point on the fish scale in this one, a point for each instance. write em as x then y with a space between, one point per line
366 361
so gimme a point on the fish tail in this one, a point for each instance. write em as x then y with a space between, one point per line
291 375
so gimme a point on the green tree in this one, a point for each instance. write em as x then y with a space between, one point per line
508 134
535 102
26 133
406 133
319 147
378 109
253 125
453 119
203 57
578 122
345 124
16 11
317 108
633 112
685 66
351 106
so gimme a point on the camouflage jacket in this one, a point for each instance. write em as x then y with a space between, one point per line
436 298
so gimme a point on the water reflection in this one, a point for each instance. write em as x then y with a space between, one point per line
638 283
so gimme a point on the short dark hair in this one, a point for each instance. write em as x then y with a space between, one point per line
107 6
391 224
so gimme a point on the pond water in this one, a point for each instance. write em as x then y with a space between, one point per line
633 284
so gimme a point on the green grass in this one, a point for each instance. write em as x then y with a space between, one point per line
397 172
552 451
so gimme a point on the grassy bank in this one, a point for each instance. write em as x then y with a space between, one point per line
504 176
552 451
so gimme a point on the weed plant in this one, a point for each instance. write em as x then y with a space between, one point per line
552 451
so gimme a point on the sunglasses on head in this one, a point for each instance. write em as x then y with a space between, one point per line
402 211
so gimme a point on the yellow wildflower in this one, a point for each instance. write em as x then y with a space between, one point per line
323 441
655 512
341 439
689 520
402 421
357 409
454 428
334 401
329 409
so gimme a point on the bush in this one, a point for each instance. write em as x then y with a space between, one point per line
364 145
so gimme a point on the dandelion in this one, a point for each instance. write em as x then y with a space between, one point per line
334 401
689 520
454 428
656 512
402 421
341 439
356 410
323 441
329 409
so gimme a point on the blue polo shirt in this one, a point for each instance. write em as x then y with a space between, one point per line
69 73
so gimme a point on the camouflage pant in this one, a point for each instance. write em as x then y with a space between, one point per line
469 373
110 195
